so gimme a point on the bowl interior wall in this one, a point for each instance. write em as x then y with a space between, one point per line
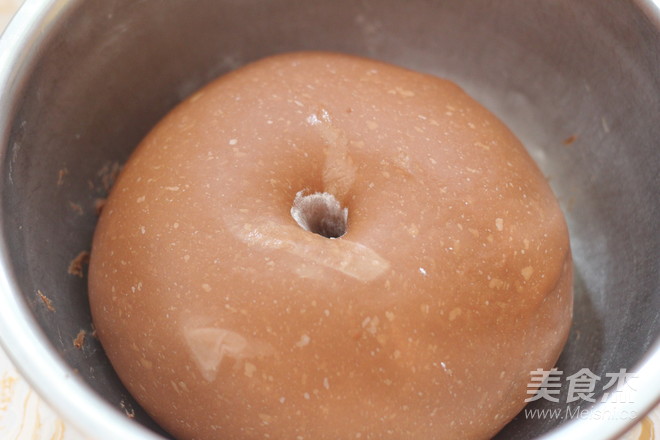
553 71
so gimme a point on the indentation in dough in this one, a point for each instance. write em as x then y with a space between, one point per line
348 257
339 169
210 345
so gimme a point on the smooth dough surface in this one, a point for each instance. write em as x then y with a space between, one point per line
227 320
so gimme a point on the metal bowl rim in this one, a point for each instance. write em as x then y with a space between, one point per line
43 368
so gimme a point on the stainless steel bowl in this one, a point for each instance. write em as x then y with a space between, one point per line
82 81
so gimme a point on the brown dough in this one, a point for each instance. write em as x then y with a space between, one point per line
227 320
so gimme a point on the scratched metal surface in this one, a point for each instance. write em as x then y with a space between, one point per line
23 414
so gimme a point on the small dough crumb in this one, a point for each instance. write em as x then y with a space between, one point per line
77 264
80 339
75 207
127 408
61 174
46 301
